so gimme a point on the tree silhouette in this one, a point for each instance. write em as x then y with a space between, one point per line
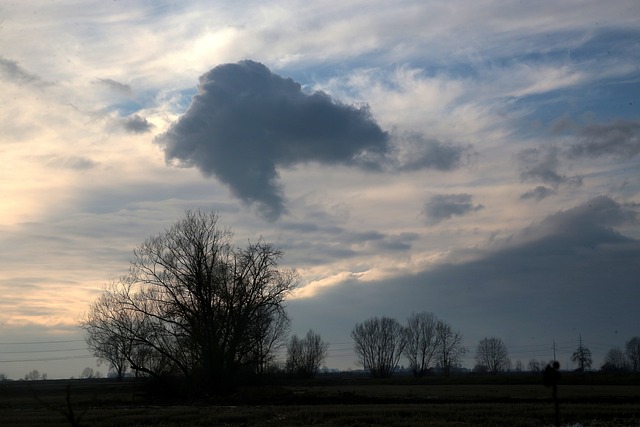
421 342
582 356
492 354
191 304
33 375
632 349
378 343
615 361
306 355
535 365
450 347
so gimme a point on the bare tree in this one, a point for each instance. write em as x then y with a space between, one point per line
535 365
492 354
451 349
519 366
421 342
632 349
33 376
87 373
582 356
378 345
269 335
109 332
191 303
306 355
615 361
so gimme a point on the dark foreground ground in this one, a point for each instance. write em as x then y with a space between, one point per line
335 401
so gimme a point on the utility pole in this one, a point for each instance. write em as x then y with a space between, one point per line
580 341
554 376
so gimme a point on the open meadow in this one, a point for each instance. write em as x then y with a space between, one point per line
324 402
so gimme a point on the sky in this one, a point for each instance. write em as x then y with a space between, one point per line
475 159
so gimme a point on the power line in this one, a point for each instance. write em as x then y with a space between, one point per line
330 356
341 349
42 351
39 342
48 359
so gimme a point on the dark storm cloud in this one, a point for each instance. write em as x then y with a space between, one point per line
444 206
12 71
246 122
538 193
136 124
589 223
120 88
571 272
620 138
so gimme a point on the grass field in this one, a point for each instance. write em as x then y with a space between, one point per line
334 402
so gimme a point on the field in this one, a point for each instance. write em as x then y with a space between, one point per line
326 402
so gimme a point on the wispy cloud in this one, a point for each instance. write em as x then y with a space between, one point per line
544 165
620 139
445 206
70 162
12 71
538 193
547 164
413 152
117 87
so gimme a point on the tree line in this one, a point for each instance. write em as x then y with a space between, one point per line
627 360
193 305
425 341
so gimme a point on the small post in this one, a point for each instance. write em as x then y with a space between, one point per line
551 378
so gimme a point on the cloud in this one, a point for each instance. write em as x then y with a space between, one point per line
413 151
568 273
445 206
538 193
69 162
542 165
401 242
120 88
246 123
588 224
375 241
136 124
620 138
12 71
309 245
